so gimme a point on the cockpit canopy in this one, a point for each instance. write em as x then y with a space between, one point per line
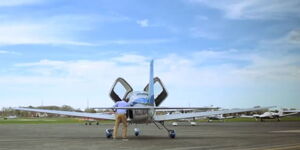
121 90
138 97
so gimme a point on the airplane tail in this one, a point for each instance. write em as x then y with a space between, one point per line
280 112
151 85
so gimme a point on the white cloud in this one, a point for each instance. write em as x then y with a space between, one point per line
9 52
290 41
197 32
59 30
77 79
197 69
134 41
53 30
10 3
131 58
254 9
143 23
293 36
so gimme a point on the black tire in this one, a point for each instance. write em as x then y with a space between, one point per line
172 134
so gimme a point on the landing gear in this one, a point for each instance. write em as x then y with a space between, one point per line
278 119
137 131
109 132
172 133
88 123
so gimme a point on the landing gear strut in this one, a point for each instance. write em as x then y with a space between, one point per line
172 133
278 119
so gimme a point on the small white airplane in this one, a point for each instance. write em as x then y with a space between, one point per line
218 117
270 115
10 117
191 121
143 107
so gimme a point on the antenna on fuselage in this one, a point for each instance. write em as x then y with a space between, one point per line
151 84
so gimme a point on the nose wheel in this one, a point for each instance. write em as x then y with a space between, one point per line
109 133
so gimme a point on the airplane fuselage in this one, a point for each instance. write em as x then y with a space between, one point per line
268 115
140 99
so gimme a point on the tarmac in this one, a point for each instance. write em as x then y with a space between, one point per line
215 135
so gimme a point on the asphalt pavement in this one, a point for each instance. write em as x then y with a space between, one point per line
215 135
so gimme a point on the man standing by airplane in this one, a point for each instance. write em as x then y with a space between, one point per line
120 117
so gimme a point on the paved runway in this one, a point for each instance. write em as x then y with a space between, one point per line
218 135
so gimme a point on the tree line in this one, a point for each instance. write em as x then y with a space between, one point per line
8 111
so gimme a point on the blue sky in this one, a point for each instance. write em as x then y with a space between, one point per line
233 53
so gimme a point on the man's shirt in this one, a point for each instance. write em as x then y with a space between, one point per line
121 104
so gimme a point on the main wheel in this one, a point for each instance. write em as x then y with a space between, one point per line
172 134
108 133
136 131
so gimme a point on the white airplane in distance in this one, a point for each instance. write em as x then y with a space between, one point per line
143 106
191 121
270 115
218 117
10 117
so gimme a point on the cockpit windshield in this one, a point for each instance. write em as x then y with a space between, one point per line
138 98
141 100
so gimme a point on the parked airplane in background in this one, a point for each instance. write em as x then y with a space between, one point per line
10 117
218 117
191 121
89 121
270 115
143 106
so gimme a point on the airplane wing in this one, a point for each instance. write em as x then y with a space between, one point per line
204 114
71 113
150 107
292 111
290 114
246 116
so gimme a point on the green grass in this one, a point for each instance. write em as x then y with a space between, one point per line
45 121
285 119
39 120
